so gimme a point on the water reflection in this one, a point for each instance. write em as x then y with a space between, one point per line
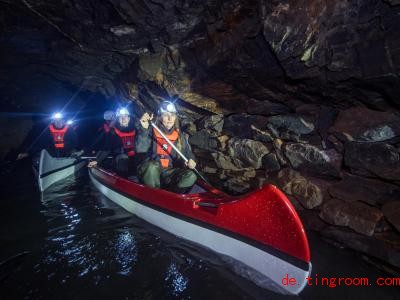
125 252
176 281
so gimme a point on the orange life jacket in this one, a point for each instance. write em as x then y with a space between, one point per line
128 140
58 136
163 149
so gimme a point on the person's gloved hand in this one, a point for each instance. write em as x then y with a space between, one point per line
145 120
92 164
191 164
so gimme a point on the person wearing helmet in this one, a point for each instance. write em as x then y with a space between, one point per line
109 117
164 168
59 139
119 142
109 121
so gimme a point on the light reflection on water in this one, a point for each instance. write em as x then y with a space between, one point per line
178 283
125 252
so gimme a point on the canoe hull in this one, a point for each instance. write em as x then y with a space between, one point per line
269 268
52 170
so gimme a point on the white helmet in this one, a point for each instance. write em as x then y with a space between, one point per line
167 106
122 111
109 115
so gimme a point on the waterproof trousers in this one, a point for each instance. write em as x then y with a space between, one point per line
173 179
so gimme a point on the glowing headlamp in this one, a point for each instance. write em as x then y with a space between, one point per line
57 116
123 112
167 106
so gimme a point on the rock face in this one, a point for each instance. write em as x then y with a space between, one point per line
308 193
311 159
356 188
373 159
365 125
247 153
356 215
391 211
285 126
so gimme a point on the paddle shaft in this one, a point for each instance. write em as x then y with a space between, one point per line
91 157
176 149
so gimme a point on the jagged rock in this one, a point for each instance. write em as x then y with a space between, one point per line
240 125
355 188
123 30
278 146
236 186
313 160
266 108
202 102
270 163
259 181
223 139
306 192
383 246
261 135
289 124
244 175
337 144
311 220
373 159
223 161
366 125
210 170
247 153
290 127
188 126
213 123
360 217
391 212
310 192
203 140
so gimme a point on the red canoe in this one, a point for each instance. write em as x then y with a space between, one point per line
261 229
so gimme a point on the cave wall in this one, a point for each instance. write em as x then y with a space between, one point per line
303 94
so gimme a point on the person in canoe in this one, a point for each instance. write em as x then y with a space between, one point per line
59 139
119 142
109 121
163 168
103 131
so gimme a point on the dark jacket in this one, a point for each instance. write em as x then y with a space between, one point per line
111 144
145 143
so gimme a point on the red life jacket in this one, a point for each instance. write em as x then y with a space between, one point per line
128 141
58 136
163 149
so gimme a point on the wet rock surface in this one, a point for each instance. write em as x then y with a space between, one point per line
356 215
373 159
313 160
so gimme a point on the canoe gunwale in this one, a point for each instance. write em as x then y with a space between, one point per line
78 161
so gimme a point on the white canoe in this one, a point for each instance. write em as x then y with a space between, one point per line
53 169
